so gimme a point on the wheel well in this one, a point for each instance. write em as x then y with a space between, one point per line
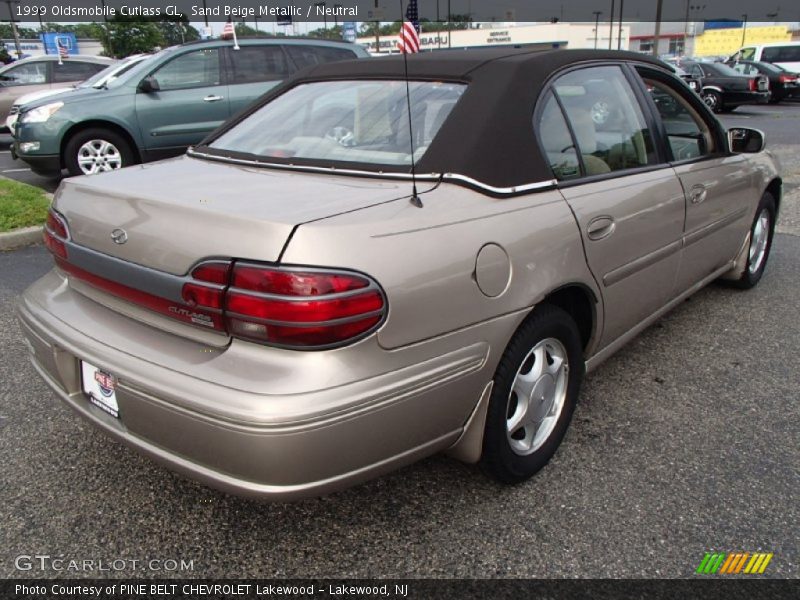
101 125
775 188
579 302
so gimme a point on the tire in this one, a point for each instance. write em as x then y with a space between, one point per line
761 234
513 453
713 100
108 149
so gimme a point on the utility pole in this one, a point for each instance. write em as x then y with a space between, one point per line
659 6
744 27
619 36
14 27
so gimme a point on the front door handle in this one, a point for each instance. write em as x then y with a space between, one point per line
600 227
697 194
212 98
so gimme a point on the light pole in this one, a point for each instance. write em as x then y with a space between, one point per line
744 28
336 7
596 14
619 35
659 6
324 16
611 26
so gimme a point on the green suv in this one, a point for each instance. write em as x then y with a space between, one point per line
161 106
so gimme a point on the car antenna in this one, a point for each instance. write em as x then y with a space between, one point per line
409 18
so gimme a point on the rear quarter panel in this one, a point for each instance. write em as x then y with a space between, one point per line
425 258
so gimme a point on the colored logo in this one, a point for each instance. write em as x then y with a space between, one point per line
106 382
734 563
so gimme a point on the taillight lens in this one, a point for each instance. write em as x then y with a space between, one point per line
787 78
753 85
55 233
301 308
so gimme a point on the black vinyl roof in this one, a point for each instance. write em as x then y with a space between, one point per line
489 135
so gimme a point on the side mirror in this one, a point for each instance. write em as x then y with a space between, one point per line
746 140
149 84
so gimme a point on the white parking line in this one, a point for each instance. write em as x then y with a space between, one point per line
14 170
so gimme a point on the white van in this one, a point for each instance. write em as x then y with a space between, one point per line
782 54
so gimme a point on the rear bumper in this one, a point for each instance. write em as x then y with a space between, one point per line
274 446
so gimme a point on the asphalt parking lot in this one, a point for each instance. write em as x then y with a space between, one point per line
685 441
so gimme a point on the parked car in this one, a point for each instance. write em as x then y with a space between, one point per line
44 73
782 84
723 89
783 54
690 80
272 313
162 106
98 80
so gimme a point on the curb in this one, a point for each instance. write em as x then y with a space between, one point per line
24 236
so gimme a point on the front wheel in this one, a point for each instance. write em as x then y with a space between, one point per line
93 151
535 390
761 233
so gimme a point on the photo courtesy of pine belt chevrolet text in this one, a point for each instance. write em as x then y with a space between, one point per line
379 259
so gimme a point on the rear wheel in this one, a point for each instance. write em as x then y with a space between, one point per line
761 233
535 390
95 150
713 100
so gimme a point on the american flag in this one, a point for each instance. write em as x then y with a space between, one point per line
63 51
228 31
409 33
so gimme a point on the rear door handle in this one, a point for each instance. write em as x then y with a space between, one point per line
600 227
212 98
698 194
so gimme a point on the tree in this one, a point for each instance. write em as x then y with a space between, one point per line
327 33
177 30
123 36
244 30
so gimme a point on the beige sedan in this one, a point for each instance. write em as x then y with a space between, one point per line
44 73
368 267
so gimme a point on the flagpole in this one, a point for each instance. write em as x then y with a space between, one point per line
235 41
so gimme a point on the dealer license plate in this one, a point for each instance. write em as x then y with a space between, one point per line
100 387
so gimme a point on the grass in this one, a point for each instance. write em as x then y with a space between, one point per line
21 205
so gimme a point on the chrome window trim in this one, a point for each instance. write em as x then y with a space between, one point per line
453 177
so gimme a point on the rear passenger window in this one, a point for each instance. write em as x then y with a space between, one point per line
252 64
308 56
747 54
556 141
74 71
606 120
781 54
193 69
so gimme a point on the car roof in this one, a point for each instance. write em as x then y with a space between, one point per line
254 41
489 134
72 57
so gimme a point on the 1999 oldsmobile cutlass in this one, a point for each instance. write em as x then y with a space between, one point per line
329 287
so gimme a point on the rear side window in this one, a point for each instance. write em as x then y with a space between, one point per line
747 54
251 64
193 69
781 54
74 71
27 74
606 119
308 56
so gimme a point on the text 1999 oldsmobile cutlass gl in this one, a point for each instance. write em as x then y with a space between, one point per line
290 318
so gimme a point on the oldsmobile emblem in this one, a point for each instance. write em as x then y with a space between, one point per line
119 236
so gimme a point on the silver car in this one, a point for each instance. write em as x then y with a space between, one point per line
368 267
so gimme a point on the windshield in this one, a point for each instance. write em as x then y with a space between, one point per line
110 73
346 121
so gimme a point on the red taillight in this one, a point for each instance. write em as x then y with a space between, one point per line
301 307
787 78
295 283
753 85
55 234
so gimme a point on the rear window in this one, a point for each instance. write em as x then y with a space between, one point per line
253 64
346 121
781 54
308 56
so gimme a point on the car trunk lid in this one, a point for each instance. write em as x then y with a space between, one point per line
145 228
